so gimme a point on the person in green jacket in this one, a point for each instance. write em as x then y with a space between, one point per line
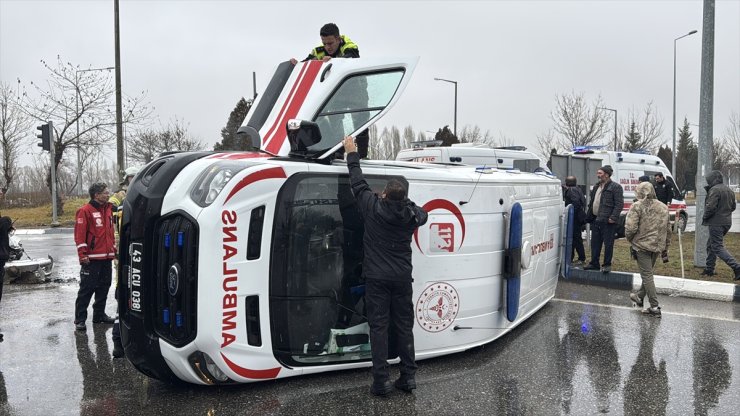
333 45
336 45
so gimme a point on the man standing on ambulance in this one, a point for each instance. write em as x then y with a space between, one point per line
607 201
96 248
390 221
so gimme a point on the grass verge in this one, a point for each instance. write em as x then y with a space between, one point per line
623 262
41 216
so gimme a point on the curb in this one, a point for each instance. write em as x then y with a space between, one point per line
664 285
39 231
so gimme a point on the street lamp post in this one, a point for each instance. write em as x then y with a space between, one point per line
615 124
452 82
673 152
77 122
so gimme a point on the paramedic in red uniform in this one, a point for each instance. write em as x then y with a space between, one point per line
96 249
390 221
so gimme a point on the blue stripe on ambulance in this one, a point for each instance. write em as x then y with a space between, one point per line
513 263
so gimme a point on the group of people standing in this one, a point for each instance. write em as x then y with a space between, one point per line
647 226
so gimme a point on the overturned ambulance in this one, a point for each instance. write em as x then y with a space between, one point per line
247 266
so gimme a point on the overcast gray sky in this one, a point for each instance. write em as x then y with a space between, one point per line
510 58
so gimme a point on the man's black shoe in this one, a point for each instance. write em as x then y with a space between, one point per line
118 350
591 267
405 384
737 274
708 272
1 337
606 269
80 326
382 388
105 319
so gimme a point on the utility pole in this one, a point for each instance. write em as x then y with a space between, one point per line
119 110
706 112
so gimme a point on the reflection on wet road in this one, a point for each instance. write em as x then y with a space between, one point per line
586 352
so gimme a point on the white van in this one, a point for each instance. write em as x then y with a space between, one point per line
240 267
628 167
478 154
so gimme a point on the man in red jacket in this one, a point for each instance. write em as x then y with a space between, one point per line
96 249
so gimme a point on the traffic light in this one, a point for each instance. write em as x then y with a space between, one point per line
45 136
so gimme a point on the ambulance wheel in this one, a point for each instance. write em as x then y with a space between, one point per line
683 218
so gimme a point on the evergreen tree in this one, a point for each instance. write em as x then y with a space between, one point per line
632 140
446 135
229 138
687 155
666 155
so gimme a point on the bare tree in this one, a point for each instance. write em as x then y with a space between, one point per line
15 124
407 138
546 143
721 156
732 137
643 129
81 98
576 122
149 144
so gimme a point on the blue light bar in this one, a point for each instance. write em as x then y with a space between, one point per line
167 240
166 316
178 319
180 238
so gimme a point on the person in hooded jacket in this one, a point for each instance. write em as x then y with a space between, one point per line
390 222
5 225
647 228
718 208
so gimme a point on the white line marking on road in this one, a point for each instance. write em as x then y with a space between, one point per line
663 312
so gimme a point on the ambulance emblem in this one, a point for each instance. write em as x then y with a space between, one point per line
437 307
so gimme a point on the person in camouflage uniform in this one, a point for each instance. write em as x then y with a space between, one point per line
648 230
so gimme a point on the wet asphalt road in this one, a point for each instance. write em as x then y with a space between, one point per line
586 352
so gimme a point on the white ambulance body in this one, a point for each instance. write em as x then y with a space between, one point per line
628 168
247 266
468 154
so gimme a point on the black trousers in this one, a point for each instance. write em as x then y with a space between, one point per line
389 307
602 233
95 279
578 242
2 277
716 248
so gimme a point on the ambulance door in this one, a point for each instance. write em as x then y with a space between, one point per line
343 96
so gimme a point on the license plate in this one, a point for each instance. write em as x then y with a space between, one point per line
136 253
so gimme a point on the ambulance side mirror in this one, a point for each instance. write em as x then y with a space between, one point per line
302 134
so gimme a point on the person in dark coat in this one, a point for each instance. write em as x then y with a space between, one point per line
664 190
718 208
390 222
572 195
5 225
607 201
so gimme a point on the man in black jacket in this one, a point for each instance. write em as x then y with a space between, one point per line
664 191
390 221
718 208
572 195
607 201
5 225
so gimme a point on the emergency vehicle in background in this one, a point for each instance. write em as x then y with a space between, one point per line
247 266
478 154
628 168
